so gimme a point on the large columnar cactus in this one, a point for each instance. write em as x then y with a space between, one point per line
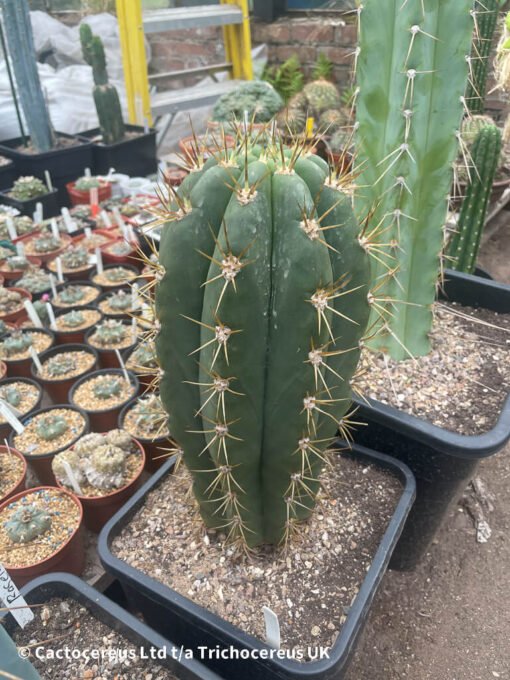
412 72
487 19
262 302
106 97
464 245
20 41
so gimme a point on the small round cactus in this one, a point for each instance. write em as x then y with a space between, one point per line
9 300
11 395
115 274
321 95
110 332
46 243
35 281
72 319
18 263
27 188
71 295
144 356
72 458
27 523
16 343
88 183
121 301
107 388
60 365
75 257
106 467
150 416
51 427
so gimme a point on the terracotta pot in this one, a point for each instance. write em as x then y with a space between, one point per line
77 336
156 450
104 420
20 368
18 314
58 390
70 557
130 258
97 510
77 240
108 357
174 176
47 257
41 462
61 286
18 485
5 428
7 274
78 197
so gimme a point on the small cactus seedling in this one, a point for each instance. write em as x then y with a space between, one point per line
71 295
121 301
144 356
150 416
35 281
27 188
11 395
115 274
107 388
110 332
51 427
16 343
120 249
18 263
27 523
46 243
88 183
60 365
72 319
75 257
9 300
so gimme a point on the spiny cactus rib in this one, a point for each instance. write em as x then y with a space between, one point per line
486 22
464 246
262 306
412 74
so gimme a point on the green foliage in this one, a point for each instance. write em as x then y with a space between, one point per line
27 523
323 68
465 243
409 110
287 79
258 98
487 19
26 188
262 306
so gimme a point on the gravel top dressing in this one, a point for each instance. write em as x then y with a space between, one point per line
65 365
31 442
310 587
65 517
87 396
26 393
11 469
66 624
461 384
90 294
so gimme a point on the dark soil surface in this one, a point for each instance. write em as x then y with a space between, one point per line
450 618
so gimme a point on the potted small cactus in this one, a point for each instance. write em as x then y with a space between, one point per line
114 277
26 192
73 325
62 366
15 266
120 251
23 224
13 472
36 281
111 335
107 468
23 395
11 304
40 532
75 262
79 190
75 294
46 433
130 149
45 245
118 304
15 348
103 394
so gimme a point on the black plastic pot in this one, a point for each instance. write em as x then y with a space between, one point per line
5 428
49 203
58 390
7 175
178 618
135 156
67 586
442 461
64 165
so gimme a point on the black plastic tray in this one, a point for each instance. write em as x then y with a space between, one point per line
178 618
49 203
62 585
135 156
442 461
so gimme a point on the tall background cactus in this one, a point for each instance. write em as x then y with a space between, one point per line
411 72
106 97
262 302
20 42
465 243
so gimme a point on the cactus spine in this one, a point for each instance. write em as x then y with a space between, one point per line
20 41
464 245
106 97
262 303
412 73
487 18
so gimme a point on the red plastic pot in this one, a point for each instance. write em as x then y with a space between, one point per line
19 485
174 176
108 357
78 197
58 390
5 428
18 314
156 450
47 257
104 420
41 462
97 510
77 274
130 258
70 557
20 368
7 274
77 336
77 240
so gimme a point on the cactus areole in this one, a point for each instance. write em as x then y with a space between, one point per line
262 304
412 69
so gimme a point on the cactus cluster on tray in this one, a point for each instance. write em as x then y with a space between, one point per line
27 188
262 303
412 70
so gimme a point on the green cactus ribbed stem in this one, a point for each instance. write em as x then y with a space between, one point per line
486 21
411 73
465 243
262 306
20 41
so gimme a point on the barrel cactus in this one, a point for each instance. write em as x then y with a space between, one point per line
28 523
262 304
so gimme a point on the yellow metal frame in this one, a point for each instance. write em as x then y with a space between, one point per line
237 39
129 15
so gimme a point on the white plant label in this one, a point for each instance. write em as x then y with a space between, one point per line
60 271
134 330
106 219
99 261
32 314
20 249
272 628
10 417
118 217
122 365
72 478
11 229
54 228
13 600
88 232
35 359
51 314
48 180
38 215
53 286
68 221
